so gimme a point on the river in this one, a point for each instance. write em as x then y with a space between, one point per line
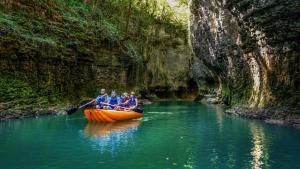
171 135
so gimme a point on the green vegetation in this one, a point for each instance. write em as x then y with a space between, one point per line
59 23
17 98
12 89
57 34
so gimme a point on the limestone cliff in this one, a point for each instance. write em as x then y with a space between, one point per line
251 48
74 50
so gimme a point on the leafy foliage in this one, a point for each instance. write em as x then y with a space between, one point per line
12 89
65 29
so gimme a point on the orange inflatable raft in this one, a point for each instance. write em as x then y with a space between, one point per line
99 115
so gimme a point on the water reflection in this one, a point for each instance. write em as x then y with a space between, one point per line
110 137
104 130
219 116
259 151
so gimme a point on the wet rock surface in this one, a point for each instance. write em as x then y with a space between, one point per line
272 116
251 51
15 110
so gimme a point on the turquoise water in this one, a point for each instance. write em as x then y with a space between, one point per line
171 135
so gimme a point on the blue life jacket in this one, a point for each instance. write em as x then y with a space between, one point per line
133 102
102 99
123 100
114 100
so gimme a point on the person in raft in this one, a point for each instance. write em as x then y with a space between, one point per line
133 101
102 99
124 101
113 101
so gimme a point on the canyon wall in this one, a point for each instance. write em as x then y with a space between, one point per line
251 49
72 50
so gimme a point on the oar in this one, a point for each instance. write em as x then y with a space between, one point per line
135 110
138 110
74 110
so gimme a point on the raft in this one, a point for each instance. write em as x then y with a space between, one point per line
99 115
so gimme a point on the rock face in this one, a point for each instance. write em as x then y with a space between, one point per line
69 76
251 48
109 68
66 52
165 67
81 74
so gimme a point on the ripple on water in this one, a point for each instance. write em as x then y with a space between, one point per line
153 112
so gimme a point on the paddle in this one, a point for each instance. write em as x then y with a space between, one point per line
137 110
74 110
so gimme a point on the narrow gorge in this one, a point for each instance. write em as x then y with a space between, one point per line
149 84
57 53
